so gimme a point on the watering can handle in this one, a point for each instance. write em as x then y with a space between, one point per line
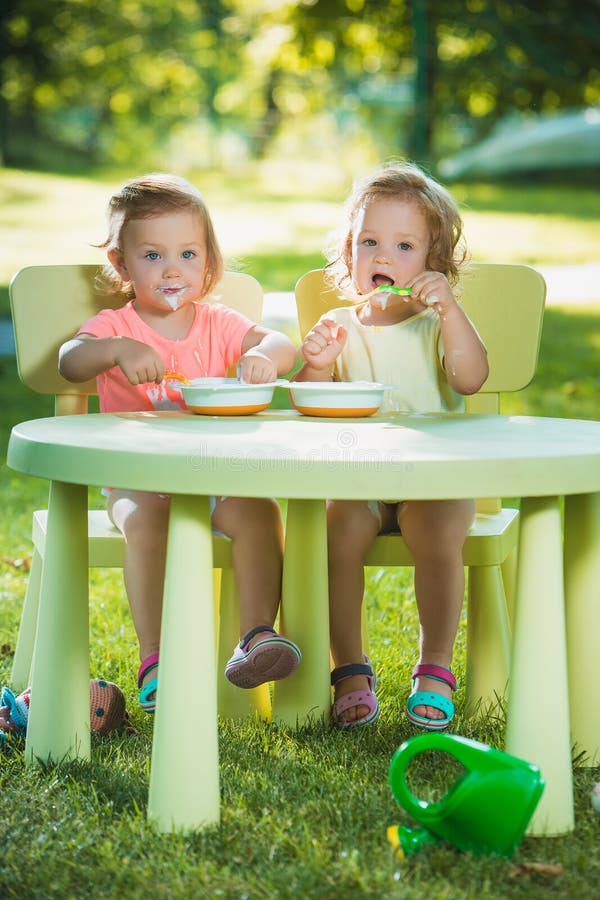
448 743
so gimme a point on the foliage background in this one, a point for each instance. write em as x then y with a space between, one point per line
217 82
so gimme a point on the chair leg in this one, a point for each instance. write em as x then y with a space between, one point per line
582 587
234 702
509 579
488 639
21 668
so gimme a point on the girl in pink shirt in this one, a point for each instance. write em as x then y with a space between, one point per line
164 256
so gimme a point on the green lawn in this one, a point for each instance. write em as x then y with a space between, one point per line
304 813
274 222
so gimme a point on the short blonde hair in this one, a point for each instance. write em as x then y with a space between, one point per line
402 181
155 195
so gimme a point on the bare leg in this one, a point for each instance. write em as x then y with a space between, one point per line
351 530
256 530
434 532
143 519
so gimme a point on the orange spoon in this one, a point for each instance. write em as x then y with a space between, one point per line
176 376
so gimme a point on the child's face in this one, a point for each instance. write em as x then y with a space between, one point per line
164 258
390 243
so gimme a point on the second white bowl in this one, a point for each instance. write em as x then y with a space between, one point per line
336 399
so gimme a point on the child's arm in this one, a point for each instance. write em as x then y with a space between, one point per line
465 358
320 349
265 355
86 356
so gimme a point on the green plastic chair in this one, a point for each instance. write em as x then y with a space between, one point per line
49 304
506 304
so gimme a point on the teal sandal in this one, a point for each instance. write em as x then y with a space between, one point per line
431 698
147 702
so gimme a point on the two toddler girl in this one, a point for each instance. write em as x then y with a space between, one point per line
402 230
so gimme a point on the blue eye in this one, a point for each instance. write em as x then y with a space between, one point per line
153 255
369 242
188 254
404 246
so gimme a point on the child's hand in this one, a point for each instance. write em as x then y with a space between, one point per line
139 362
323 344
255 367
432 289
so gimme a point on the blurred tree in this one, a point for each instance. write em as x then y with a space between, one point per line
109 79
466 62
115 80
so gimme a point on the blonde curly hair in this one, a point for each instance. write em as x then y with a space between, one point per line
402 181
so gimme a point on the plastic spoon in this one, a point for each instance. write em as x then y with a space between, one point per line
175 376
386 289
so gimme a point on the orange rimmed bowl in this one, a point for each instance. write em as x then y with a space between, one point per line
336 399
226 397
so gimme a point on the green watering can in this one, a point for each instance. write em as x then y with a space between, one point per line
485 811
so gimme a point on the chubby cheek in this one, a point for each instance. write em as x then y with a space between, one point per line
357 265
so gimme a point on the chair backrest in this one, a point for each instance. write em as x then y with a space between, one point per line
50 303
505 303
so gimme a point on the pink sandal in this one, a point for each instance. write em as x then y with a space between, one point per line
366 698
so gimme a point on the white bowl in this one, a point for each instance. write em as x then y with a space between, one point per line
336 398
226 397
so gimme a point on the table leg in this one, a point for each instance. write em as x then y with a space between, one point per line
59 715
582 586
184 774
305 614
537 727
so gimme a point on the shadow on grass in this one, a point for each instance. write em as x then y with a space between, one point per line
567 200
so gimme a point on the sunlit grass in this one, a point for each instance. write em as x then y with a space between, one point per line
274 219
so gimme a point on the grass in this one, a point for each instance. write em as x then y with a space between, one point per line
273 220
304 813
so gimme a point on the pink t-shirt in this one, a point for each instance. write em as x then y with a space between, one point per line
212 345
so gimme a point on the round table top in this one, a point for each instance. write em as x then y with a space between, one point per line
284 454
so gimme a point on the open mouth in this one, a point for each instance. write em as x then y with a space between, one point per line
379 279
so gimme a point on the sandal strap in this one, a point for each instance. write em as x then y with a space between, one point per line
351 669
258 630
149 688
147 664
439 673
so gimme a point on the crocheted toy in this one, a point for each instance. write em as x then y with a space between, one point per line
107 709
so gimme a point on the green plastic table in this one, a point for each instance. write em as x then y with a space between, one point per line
307 460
